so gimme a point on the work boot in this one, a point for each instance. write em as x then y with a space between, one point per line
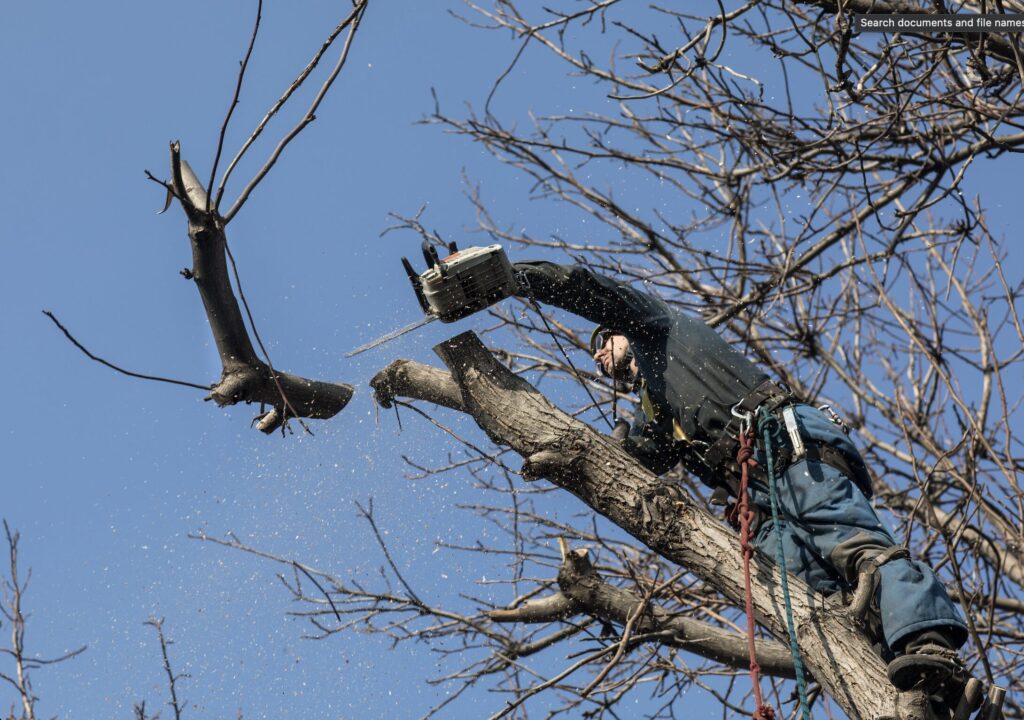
929 662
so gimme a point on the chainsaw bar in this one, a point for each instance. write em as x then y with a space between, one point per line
392 335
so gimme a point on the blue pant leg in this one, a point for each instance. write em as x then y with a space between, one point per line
820 508
802 558
911 599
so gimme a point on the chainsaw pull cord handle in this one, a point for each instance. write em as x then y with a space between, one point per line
524 286
430 255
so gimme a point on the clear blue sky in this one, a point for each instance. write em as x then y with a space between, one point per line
105 475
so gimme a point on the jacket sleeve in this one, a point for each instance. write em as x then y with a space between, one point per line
602 300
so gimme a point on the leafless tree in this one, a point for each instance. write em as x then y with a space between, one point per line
24 663
175 703
807 191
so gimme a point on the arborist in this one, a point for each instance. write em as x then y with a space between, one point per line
694 392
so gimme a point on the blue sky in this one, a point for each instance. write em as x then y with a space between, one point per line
104 475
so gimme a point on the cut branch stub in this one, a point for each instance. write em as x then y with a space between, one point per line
402 377
515 414
245 377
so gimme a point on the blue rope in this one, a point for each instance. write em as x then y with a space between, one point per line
766 422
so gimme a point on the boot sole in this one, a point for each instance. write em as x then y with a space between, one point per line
931 673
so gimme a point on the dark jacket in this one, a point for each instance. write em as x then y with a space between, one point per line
692 375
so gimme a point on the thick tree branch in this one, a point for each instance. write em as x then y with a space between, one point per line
582 590
404 378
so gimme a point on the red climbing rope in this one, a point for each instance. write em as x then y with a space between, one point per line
745 459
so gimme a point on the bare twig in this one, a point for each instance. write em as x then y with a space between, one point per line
352 21
12 608
234 103
111 365
172 678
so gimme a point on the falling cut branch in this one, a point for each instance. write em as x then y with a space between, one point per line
245 377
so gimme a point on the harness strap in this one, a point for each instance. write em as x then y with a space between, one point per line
769 395
867 579
826 454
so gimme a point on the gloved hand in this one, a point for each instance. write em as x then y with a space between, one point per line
620 431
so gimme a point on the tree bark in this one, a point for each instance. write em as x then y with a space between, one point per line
576 458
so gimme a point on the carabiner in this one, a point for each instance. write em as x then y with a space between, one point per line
746 419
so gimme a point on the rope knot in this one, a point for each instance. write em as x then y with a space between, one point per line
745 454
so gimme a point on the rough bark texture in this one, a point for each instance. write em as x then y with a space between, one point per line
245 378
576 458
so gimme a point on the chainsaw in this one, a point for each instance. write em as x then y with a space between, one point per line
455 287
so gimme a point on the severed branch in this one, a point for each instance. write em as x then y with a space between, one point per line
576 458
582 590
245 377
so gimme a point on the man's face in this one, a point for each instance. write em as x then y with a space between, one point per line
612 355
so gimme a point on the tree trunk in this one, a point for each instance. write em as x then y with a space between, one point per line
591 466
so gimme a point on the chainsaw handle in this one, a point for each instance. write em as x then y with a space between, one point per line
430 255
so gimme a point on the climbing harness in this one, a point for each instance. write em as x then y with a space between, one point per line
770 395
769 425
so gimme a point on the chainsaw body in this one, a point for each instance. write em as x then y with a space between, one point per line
463 283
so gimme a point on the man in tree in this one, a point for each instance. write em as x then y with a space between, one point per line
693 390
